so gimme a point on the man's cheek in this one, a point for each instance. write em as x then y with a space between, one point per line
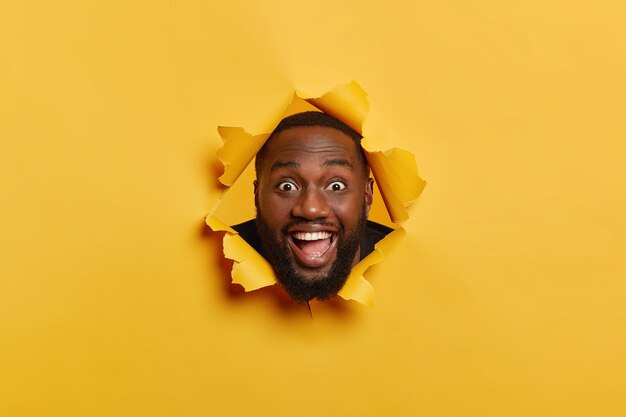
347 211
273 210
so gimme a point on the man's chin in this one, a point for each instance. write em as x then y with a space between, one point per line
304 283
311 275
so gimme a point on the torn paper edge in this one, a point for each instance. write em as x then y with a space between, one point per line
394 171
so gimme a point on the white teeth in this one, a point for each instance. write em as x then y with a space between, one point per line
312 236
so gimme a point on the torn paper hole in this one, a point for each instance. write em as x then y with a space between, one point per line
394 171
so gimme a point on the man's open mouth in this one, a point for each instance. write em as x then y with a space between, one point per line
313 249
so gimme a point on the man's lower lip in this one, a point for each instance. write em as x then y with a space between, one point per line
313 261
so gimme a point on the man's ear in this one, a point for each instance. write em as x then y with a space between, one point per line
369 195
255 183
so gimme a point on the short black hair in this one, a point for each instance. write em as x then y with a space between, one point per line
313 118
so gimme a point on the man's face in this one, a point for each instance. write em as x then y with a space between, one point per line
312 198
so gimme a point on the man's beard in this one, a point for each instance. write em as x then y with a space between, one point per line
324 286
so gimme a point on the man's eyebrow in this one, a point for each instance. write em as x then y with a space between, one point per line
338 162
284 164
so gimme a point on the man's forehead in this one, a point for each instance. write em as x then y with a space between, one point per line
312 139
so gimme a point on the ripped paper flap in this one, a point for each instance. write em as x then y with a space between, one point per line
394 170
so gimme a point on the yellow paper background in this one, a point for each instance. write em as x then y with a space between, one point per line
505 298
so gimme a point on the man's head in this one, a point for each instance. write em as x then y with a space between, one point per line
313 195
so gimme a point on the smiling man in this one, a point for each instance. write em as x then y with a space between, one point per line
313 194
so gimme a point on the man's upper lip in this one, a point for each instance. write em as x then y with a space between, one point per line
311 228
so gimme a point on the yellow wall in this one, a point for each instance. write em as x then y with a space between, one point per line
506 297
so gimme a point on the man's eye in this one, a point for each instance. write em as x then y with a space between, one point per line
286 186
336 186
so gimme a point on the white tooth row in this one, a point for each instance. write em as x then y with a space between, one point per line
312 236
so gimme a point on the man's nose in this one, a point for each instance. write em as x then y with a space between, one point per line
311 205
